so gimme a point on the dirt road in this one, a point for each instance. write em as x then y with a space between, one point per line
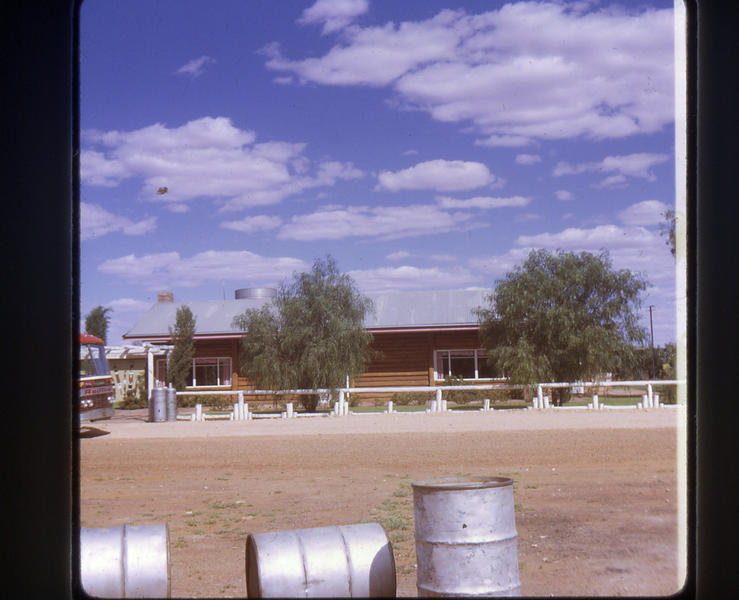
596 492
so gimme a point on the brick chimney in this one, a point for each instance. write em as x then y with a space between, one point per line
165 297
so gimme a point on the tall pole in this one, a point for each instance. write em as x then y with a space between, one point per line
651 330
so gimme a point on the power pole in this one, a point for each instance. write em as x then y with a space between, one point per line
651 330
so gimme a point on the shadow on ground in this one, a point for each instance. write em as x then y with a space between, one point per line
87 431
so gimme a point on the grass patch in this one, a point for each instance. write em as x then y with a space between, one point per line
223 505
395 514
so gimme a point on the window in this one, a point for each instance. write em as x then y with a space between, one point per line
205 372
467 364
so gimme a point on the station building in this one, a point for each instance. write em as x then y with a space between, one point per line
422 337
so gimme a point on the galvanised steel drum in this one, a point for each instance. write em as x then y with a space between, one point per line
158 405
345 561
466 539
171 404
125 562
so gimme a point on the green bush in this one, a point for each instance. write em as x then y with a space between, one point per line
411 398
464 396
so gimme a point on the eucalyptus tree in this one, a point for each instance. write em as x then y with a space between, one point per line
563 317
97 321
311 336
179 364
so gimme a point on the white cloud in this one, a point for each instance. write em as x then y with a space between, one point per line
527 71
482 202
399 255
649 212
602 236
443 257
195 67
632 247
412 278
129 305
169 269
441 175
527 159
253 224
334 14
383 222
499 265
563 195
629 165
96 222
207 157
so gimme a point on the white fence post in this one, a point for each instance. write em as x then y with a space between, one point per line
242 415
389 407
651 395
289 409
539 397
198 412
438 400
486 404
596 406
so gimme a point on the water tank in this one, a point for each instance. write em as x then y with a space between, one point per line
255 292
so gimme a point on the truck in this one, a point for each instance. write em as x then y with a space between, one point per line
97 393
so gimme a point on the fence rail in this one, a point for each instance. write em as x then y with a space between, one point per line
438 404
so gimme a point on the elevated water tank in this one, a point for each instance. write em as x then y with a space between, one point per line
255 292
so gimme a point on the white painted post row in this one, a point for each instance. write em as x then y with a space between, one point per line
341 408
540 400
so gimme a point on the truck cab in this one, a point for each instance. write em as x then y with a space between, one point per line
97 393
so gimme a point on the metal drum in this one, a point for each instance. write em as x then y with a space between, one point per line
158 405
125 562
349 561
171 404
466 539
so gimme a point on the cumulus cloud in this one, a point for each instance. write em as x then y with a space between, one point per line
169 269
334 14
195 67
649 212
637 165
96 222
527 159
440 175
382 222
412 278
128 305
399 255
253 224
632 247
482 202
207 157
526 71
563 195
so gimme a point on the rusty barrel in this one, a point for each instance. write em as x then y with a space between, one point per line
466 539
344 561
125 562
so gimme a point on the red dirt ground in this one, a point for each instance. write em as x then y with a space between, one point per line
596 492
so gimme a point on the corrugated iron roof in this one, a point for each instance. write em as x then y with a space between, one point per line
419 309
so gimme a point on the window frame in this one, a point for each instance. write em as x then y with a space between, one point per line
479 354
224 362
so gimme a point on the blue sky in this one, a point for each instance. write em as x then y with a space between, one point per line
424 145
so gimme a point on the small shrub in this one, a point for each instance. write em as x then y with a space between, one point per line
411 398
